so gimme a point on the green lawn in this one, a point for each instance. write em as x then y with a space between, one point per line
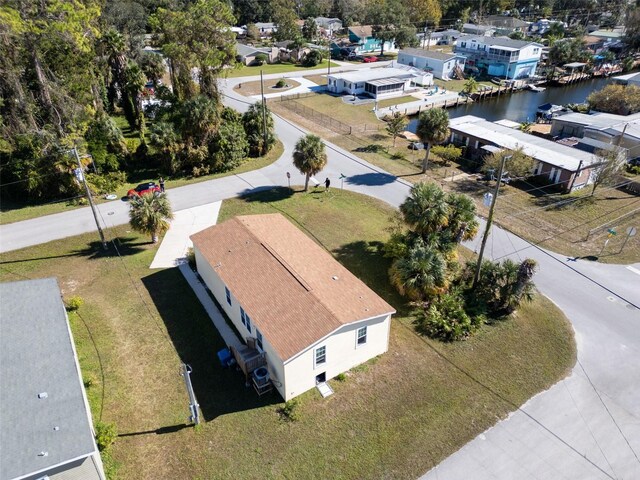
350 114
15 211
244 71
395 417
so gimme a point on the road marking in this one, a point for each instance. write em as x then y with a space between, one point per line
634 270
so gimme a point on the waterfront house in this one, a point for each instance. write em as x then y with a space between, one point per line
442 65
500 56
47 430
362 37
309 318
378 82
605 127
566 167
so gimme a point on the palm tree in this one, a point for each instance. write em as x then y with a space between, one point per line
433 128
523 288
470 86
461 223
309 156
150 214
421 273
425 209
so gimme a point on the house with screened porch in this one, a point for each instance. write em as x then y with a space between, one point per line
306 317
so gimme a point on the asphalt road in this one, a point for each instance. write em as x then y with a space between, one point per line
585 427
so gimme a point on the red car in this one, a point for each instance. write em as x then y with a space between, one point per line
143 188
370 59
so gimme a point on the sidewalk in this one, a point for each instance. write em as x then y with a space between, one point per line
174 246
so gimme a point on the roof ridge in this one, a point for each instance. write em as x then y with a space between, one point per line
286 265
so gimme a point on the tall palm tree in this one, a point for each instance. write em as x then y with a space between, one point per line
309 156
421 273
150 214
523 287
433 128
425 210
462 224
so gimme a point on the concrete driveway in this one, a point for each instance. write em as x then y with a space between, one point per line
585 427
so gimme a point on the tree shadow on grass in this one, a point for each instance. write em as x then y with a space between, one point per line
371 179
366 261
94 250
218 390
266 194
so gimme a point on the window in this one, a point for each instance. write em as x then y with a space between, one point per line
321 356
361 336
228 294
259 339
246 321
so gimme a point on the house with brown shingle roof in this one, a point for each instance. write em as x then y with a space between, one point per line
310 317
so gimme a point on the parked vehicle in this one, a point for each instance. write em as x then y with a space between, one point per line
143 188
370 59
416 146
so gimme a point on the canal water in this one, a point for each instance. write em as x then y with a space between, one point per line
521 107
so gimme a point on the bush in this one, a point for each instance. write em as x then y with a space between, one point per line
446 319
106 435
289 410
191 258
74 303
281 83
261 59
448 154
371 148
107 183
399 156
312 59
341 377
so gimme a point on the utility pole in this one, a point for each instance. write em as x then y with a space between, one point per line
264 116
89 197
476 277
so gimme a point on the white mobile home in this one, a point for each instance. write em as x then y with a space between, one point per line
310 317
378 82
442 65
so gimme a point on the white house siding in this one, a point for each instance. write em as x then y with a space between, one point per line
440 68
217 287
342 354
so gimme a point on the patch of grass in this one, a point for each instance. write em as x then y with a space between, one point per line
268 69
396 417
317 79
18 211
253 88
355 115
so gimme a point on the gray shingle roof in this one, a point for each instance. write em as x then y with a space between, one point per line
36 356
244 50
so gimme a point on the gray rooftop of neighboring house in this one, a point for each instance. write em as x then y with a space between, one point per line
423 53
538 148
477 28
245 50
497 41
605 122
37 356
265 24
327 20
505 21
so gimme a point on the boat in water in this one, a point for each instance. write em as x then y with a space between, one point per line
535 88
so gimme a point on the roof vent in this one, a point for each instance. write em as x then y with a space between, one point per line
43 454
56 428
43 395
335 277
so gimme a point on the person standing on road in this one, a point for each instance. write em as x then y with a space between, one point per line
327 182
162 184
